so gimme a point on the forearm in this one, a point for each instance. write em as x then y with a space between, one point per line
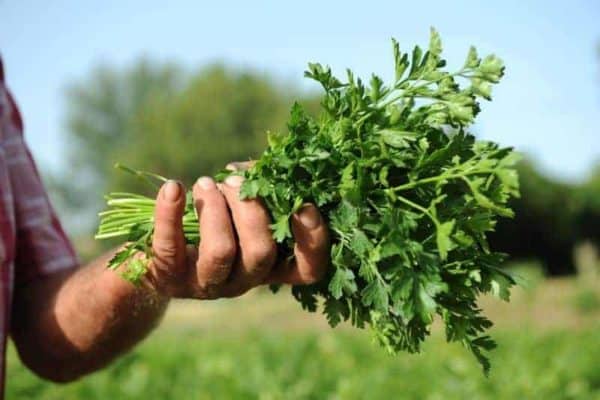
73 323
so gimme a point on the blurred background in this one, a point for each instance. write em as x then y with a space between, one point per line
183 89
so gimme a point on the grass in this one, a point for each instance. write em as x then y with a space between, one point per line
587 301
262 347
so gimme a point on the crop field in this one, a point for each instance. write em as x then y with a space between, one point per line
263 346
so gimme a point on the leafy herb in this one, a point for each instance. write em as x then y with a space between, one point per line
407 192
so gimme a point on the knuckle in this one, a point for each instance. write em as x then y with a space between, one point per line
219 273
221 253
164 249
213 276
312 274
261 256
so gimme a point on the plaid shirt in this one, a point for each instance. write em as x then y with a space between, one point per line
32 242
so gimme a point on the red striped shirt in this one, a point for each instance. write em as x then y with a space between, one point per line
32 242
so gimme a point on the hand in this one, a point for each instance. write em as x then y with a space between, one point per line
236 251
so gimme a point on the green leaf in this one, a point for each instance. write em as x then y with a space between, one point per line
510 179
484 201
477 346
391 246
275 139
347 181
500 285
134 272
345 216
336 311
443 240
120 257
252 188
396 138
281 229
415 63
342 283
400 61
435 43
375 294
298 203
377 88
481 88
306 295
426 305
361 245
491 68
472 60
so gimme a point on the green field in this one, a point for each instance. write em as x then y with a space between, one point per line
263 347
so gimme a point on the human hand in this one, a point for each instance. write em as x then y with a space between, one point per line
236 251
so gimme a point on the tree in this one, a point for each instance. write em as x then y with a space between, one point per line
588 216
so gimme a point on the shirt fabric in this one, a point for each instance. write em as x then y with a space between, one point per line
32 241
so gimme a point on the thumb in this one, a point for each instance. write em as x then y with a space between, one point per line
168 243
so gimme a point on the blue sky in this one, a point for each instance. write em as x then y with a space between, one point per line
548 104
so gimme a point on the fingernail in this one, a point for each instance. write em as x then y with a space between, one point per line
234 181
171 190
206 183
309 216
240 165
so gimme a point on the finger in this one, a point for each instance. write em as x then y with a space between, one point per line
217 250
240 165
256 245
168 243
311 251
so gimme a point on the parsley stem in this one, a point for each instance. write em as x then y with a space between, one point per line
432 179
142 175
123 232
418 207
403 92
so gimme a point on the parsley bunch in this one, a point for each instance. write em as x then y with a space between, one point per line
407 192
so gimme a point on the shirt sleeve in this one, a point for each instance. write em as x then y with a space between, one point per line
42 246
